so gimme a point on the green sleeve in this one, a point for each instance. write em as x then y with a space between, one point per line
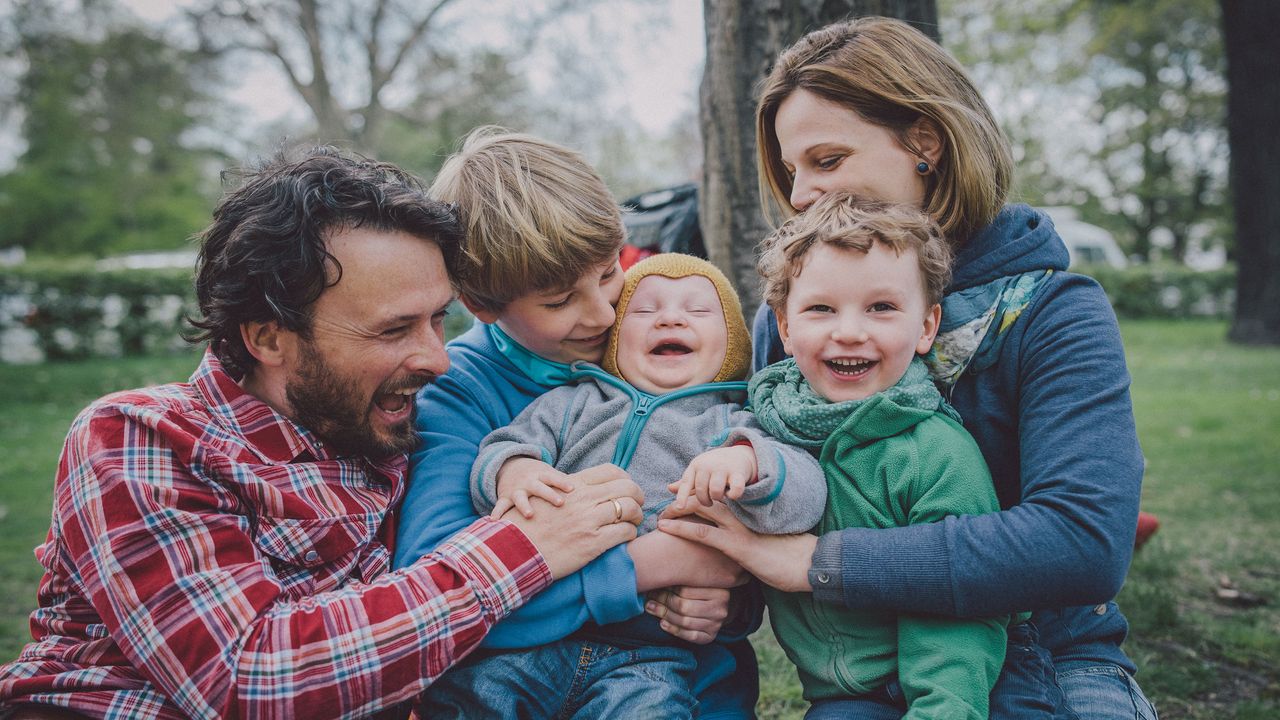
947 666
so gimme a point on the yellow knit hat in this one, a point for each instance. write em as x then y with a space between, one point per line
737 352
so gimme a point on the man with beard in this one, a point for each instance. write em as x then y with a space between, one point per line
219 548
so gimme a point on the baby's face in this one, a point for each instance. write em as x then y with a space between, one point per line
673 334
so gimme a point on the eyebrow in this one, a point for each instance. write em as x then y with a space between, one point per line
411 317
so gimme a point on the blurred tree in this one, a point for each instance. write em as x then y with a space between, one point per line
743 39
1253 58
1158 69
106 110
371 69
1113 106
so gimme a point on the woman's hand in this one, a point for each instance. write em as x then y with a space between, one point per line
663 560
779 561
690 613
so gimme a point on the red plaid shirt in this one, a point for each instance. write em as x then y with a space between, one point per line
209 558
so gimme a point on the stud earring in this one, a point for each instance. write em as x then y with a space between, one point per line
922 168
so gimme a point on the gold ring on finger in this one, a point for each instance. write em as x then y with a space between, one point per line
617 510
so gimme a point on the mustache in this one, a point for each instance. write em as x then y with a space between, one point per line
409 382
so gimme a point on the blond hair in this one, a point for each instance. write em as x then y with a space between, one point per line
852 223
536 216
893 76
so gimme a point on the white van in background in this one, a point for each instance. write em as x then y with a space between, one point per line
1087 244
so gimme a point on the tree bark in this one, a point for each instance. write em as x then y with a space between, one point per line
744 37
1253 114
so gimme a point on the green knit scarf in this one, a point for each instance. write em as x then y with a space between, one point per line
789 409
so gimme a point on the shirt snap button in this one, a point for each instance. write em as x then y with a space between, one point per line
311 556
824 578
1100 610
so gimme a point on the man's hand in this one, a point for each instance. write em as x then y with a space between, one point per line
522 478
603 510
690 613
716 474
780 561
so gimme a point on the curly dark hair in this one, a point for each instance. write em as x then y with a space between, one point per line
265 258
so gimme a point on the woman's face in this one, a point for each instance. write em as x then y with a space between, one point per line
830 148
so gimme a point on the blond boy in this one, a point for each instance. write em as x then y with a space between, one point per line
541 274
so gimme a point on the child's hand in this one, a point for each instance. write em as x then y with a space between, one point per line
521 478
716 474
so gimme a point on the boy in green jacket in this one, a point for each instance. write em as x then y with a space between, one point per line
856 289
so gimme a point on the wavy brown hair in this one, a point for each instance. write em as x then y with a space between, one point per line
265 257
852 223
894 76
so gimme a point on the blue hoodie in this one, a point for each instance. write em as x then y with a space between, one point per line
1053 419
487 385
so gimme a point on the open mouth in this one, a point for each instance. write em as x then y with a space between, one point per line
851 368
396 403
670 349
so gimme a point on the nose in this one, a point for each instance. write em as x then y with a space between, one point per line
803 192
849 330
599 312
670 316
429 355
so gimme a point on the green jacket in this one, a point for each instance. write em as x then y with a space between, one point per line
889 465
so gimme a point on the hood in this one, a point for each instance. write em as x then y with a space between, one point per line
1020 239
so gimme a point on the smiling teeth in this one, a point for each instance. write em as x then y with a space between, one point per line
850 365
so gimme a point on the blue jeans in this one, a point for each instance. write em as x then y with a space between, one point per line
1029 687
566 679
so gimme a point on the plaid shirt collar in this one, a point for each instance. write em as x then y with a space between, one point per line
271 436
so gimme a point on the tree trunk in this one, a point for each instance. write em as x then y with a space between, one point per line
743 39
1253 114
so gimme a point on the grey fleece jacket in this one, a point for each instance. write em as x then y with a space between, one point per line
603 419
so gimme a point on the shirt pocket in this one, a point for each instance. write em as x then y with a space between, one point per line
314 542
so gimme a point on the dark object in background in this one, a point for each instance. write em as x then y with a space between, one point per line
663 220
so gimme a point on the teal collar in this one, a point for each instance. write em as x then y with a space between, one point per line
539 369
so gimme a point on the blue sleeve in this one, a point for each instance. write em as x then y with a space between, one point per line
1069 539
451 423
766 343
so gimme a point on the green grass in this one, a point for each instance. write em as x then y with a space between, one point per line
1208 416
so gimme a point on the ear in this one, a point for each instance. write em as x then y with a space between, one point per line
783 331
926 140
932 319
267 342
485 316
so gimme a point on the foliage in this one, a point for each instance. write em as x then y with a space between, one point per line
70 310
1157 67
1115 107
1166 290
76 311
106 118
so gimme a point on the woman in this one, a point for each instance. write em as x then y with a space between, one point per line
1030 356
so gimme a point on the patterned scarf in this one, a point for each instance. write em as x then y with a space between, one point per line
789 409
966 339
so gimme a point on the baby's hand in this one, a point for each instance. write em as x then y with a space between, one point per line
521 478
716 474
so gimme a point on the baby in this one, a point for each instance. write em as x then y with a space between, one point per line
667 407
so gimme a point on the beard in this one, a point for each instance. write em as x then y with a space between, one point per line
323 402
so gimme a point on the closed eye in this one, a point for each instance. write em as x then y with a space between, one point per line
559 303
829 163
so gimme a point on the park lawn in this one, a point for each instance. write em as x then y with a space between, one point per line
1208 415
